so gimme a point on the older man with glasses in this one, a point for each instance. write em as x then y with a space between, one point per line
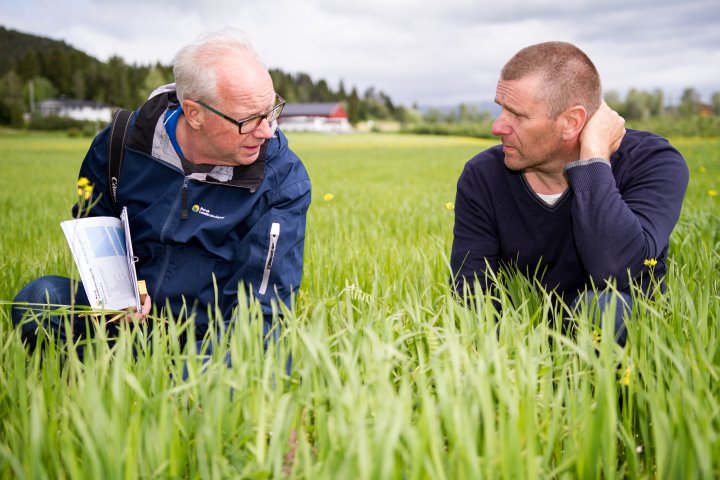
216 199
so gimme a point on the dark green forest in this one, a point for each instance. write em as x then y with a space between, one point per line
34 68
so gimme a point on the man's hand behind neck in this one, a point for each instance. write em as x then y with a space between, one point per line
602 134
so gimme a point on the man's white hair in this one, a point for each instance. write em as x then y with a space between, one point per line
194 65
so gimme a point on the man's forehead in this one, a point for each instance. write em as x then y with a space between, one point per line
523 90
508 91
250 89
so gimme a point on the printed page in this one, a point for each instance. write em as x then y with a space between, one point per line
101 255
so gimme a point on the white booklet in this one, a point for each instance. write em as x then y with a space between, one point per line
103 253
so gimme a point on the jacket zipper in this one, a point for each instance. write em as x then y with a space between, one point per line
274 235
163 234
183 202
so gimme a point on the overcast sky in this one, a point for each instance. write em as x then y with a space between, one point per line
430 52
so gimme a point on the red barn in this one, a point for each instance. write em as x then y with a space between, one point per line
314 117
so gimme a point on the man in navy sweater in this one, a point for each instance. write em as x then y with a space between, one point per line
570 193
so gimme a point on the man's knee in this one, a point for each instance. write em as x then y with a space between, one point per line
43 291
32 306
601 303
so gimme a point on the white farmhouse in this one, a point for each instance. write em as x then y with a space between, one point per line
76 109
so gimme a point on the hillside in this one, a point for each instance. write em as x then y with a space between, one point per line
58 70
15 45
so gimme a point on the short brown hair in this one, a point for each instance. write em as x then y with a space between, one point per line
568 76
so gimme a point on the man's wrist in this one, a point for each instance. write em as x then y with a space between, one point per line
589 152
590 161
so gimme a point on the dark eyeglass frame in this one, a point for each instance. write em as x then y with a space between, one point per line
243 126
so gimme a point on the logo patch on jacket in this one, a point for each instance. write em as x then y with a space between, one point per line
204 211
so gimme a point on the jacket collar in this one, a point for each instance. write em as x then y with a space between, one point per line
149 136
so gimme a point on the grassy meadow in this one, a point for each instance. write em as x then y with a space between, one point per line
391 377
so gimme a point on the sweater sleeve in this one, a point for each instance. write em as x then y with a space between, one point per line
476 245
618 224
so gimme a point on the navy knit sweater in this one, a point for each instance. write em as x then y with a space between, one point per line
611 219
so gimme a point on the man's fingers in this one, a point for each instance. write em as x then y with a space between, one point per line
146 306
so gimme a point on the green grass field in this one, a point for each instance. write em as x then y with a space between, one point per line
392 378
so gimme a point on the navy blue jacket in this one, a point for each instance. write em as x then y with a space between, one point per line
611 219
198 233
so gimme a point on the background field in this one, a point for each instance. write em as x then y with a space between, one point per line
392 378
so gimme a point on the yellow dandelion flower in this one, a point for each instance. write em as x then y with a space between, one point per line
650 262
328 197
712 193
450 206
702 169
83 182
626 377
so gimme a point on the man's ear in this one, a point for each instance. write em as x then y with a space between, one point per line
193 113
573 121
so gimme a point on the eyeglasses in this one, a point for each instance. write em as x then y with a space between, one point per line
252 123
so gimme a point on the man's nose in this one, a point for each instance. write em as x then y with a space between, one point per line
500 127
264 130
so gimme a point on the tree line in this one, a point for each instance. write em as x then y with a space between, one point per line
34 68
643 105
645 110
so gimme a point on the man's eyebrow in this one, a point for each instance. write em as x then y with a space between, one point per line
508 108
260 113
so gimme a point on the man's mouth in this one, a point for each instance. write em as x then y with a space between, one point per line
252 148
